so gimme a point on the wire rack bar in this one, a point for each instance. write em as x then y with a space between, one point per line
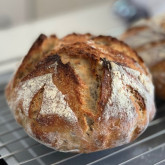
155 122
13 141
18 151
128 147
161 162
63 160
5 113
10 131
40 156
144 153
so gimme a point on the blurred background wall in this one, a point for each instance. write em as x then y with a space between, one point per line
15 12
47 8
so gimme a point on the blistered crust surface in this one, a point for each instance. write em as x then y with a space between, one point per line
82 93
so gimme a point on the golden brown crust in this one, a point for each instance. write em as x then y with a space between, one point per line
81 93
150 43
36 53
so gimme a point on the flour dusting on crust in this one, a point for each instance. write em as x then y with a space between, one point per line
53 100
119 104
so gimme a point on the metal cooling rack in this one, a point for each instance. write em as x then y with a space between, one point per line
16 147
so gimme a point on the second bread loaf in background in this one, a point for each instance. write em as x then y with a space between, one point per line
147 37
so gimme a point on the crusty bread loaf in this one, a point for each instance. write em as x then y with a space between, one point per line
82 93
148 38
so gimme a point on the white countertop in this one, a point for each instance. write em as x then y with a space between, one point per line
16 41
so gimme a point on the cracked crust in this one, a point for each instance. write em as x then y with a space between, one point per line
82 93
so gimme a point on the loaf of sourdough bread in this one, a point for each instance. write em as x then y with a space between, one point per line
82 93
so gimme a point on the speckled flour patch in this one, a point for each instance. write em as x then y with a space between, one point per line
28 89
119 104
53 100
